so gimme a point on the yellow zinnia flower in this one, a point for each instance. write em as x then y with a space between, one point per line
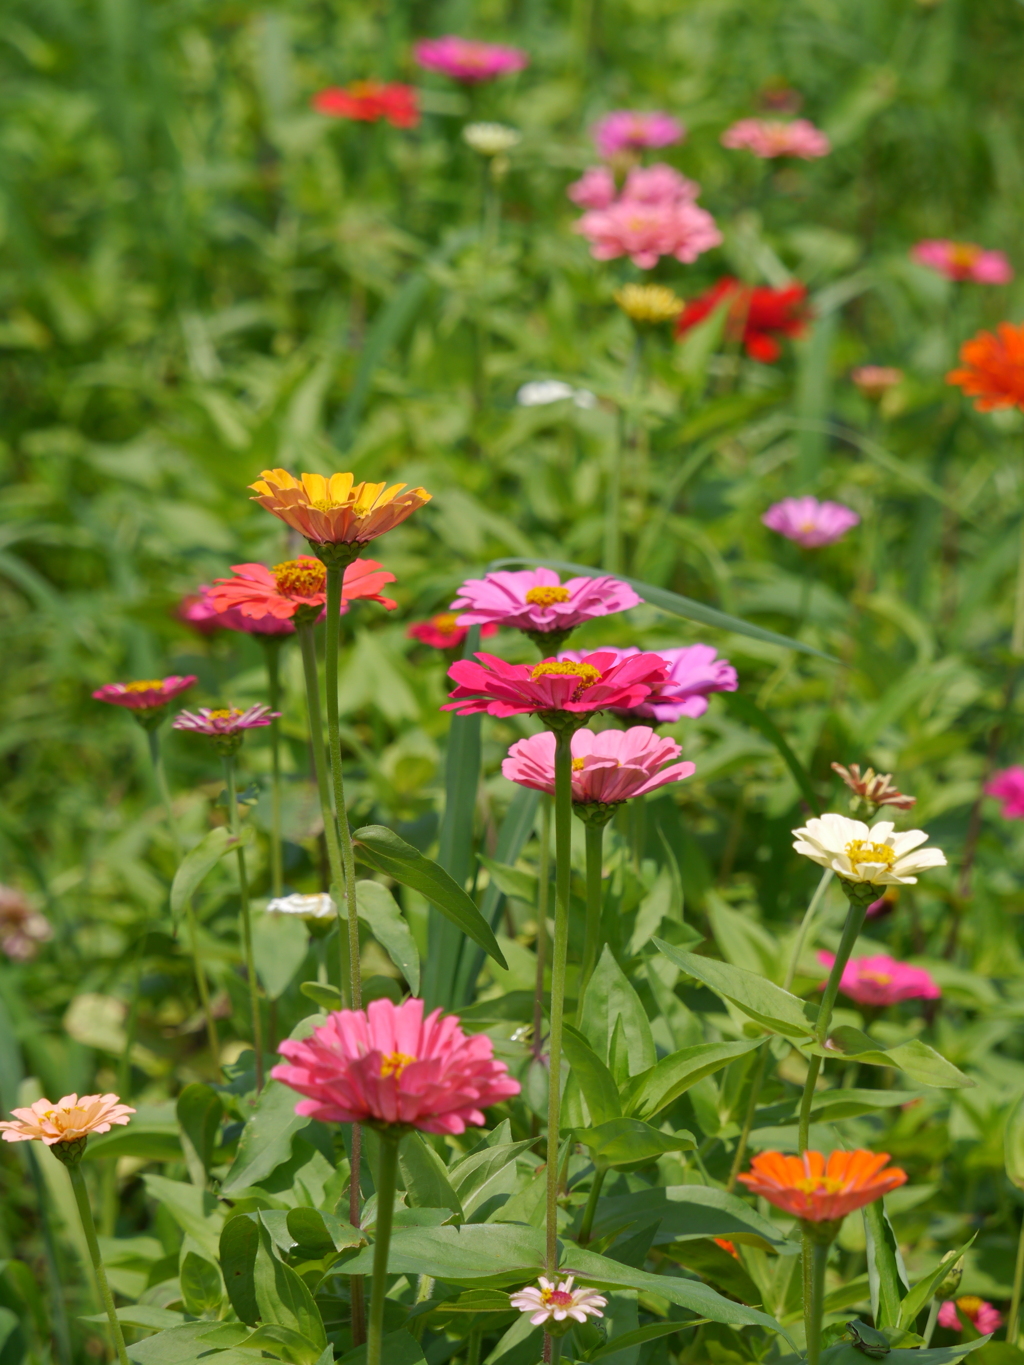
336 510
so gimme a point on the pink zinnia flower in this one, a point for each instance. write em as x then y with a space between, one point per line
981 1314
149 695
882 980
809 522
444 632
595 188
875 381
963 261
612 766
659 184
550 1302
388 1065
257 592
198 612
694 671
468 61
554 686
1008 786
538 602
768 138
69 1120
633 130
645 232
226 725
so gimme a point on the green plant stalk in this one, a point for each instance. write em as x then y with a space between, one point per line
272 653
586 1226
560 949
348 862
89 1227
58 1309
1013 1320
819 1261
748 1120
386 1177
592 930
805 926
243 892
473 1347
933 1317
612 559
1017 638
543 891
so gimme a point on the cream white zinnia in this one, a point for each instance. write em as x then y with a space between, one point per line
547 1302
862 853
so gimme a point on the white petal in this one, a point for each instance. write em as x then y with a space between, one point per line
879 834
907 840
540 1317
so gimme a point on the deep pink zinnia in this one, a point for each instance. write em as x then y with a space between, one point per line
443 631
554 687
466 60
611 766
225 724
389 1066
647 231
963 261
809 522
149 695
1008 786
633 130
769 138
882 980
538 602
983 1316
694 671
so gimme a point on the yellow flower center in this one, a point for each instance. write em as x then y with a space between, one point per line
577 764
394 1064
225 713
558 1297
151 685
862 851
568 668
819 1184
970 1304
964 255
547 596
879 978
649 302
447 622
300 577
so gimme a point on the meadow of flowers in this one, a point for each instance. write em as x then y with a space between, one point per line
512 574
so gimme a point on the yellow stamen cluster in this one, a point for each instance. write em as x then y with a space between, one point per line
651 303
151 685
567 668
862 851
578 764
547 596
820 1184
447 622
964 254
394 1064
225 713
300 577
879 978
970 1304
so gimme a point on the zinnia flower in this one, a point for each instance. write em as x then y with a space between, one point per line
370 101
549 1304
694 672
648 304
645 232
198 611
727 1246
963 261
875 381
982 1315
258 592
634 130
1008 786
226 725
862 854
69 1120
336 510
819 1191
609 767
659 184
22 927
769 138
317 906
388 1065
595 188
468 61
491 139
809 522
537 602
444 632
756 315
538 393
882 980
145 698
874 789
992 370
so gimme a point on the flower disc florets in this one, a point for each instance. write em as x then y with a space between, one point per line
649 304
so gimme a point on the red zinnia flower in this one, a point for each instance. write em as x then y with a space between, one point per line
258 592
593 683
820 1191
369 101
755 313
992 370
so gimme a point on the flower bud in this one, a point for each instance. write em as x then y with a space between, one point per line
948 1288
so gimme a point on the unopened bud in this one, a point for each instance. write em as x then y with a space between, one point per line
947 1289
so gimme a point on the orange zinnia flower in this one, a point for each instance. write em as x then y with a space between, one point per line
992 370
336 510
820 1191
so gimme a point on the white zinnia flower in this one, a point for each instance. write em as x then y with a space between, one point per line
539 392
319 906
860 853
548 1303
491 139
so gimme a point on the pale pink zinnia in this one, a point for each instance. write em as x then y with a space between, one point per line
554 687
983 1316
389 1066
148 695
963 261
225 725
595 188
68 1120
1008 786
769 138
875 381
611 766
548 1301
468 61
809 522
537 601
647 231
882 980
633 130
694 671
659 184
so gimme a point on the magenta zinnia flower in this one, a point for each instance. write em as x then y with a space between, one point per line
694 671
468 61
149 695
608 767
769 138
387 1066
882 980
226 725
809 522
647 231
538 602
983 1316
1008 786
555 688
633 130
963 261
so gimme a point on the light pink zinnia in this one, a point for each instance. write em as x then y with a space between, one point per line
148 695
536 600
595 683
464 59
647 231
809 522
68 1120
875 381
769 138
595 188
612 766
694 671
388 1065
981 1314
882 980
963 261
225 724
1008 786
633 130
659 184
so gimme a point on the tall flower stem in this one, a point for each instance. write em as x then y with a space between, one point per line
595 896
243 892
560 949
1013 1320
543 892
89 1227
272 652
805 925
348 862
587 1224
386 1177
1017 638
748 1121
58 1310
819 1261
616 457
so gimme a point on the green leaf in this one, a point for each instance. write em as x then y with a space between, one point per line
488 1170
654 1331
159 1142
477 1301
922 1292
201 1289
714 1263
146 1315
200 861
383 850
320 1234
284 1343
279 947
594 1079
497 1253
748 711
887 1286
194 1210
1013 1144
919 1061
611 1003
650 1092
770 1005
192 1341
628 1144
511 881
327 997
397 1348
282 1295
847 1354
830 1105
239 1240
266 1140
200 1110
378 908
425 1176
686 1211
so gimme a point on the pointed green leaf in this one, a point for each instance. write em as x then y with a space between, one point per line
922 1292
685 1211
201 1289
195 1210
1013 1144
769 1004
425 1176
239 1240
199 861
319 1233
748 711
378 908
282 1295
655 1089
397 1348
919 1061
627 1144
200 1110
593 1077
266 1140
611 1003
284 1344
279 947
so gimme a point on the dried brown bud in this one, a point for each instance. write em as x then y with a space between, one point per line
871 788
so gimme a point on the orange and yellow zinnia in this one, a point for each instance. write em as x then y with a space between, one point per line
820 1190
336 510
992 368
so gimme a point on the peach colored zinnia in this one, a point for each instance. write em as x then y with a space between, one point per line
336 510
963 261
769 138
69 1120
388 1066
817 1190
607 768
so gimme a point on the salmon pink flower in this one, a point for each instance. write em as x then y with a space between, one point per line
537 602
147 699
390 1067
770 138
607 768
69 1121
647 231
468 61
370 101
1008 786
595 188
963 261
553 1304
882 980
22 927
226 725
982 1315
444 632
817 1190
257 592
336 511
809 522
634 130
992 368
756 316
694 672
875 381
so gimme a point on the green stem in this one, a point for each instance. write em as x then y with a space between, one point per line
473 1347
748 1122
595 896
805 925
1017 638
58 1309
806 1102
587 1224
386 1176
543 892
1013 1321
272 653
243 891
563 870
854 924
933 1317
155 754
819 1261
616 458
348 861
89 1227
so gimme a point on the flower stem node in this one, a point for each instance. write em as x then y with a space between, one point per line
861 894
70 1153
335 555
822 1233
596 813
